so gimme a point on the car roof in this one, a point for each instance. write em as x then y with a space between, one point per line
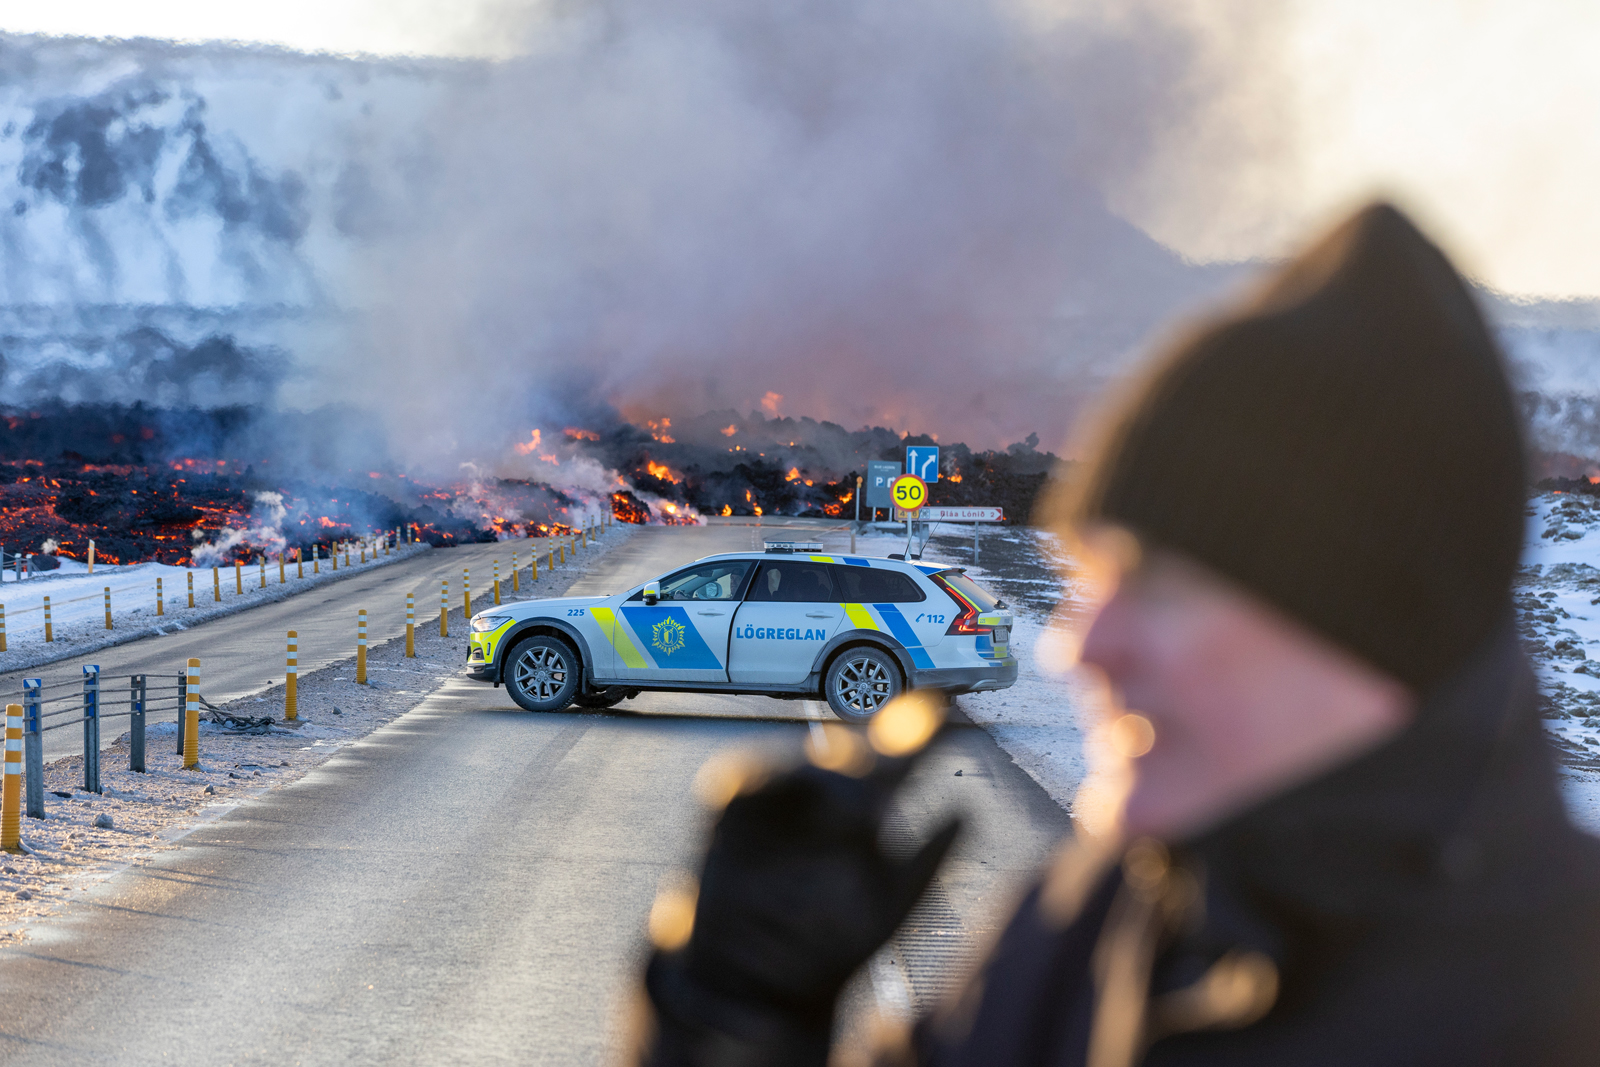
822 557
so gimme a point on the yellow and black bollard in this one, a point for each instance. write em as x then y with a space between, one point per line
361 647
216 585
191 588
444 607
11 792
363 552
161 601
466 593
411 626
563 550
191 716
516 579
291 680
316 559
49 630
333 555
238 578
533 566
108 607
497 583
552 558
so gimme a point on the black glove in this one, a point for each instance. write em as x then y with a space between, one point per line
795 895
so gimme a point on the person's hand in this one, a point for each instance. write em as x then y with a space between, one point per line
796 893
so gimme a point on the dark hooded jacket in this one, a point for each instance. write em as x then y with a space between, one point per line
1428 903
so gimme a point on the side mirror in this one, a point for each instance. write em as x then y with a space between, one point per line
652 592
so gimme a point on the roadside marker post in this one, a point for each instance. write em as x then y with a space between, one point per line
299 563
161 602
2 627
262 563
216 585
563 550
552 557
363 553
516 579
91 728
136 695
361 647
49 630
108 607
33 744
91 555
238 578
466 593
533 566
333 555
191 588
411 626
444 607
281 578
496 583
11 797
191 716
316 559
347 553
291 679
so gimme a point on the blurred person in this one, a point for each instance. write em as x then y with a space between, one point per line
1336 835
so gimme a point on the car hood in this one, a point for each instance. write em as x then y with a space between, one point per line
532 609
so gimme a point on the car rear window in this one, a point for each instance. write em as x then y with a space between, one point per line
791 582
876 585
981 598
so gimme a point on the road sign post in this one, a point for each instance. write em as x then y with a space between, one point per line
910 493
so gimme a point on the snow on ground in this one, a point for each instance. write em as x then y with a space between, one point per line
77 600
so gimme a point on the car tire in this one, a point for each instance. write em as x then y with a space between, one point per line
606 698
860 681
542 674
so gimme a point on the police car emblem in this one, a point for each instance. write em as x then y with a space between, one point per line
667 635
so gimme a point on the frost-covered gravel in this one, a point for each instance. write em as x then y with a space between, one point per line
150 812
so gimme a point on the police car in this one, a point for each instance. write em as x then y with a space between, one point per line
787 622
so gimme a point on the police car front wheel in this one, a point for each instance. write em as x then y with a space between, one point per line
542 674
859 682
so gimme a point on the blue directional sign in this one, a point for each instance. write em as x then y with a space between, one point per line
923 461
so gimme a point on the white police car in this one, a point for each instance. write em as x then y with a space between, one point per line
787 622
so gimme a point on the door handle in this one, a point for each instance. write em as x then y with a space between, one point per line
719 613
819 614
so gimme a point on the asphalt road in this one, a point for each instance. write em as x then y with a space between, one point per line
466 885
244 653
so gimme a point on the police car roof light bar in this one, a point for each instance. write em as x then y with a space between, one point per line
793 546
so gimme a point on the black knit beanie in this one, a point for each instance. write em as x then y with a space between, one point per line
1346 446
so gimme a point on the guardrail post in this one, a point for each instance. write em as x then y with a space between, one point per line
108 607
466 592
191 717
33 745
161 601
49 630
11 792
361 647
444 607
291 680
91 728
183 700
136 695
411 626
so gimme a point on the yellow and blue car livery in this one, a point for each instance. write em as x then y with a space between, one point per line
769 622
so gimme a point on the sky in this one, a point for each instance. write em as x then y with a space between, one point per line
1477 115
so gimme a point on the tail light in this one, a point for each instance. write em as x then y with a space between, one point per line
966 621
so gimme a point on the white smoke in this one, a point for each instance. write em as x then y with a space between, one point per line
263 536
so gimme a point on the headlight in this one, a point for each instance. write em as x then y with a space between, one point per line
482 624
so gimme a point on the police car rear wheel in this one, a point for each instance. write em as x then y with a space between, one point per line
542 674
860 682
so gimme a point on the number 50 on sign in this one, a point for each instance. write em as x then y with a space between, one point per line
910 492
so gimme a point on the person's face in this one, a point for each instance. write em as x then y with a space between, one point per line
1217 700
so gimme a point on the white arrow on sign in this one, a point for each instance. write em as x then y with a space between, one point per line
933 514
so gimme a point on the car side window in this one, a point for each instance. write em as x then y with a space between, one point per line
720 580
792 581
876 585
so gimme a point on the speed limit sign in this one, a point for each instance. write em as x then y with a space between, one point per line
910 492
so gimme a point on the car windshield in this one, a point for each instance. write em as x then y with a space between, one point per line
719 580
981 598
